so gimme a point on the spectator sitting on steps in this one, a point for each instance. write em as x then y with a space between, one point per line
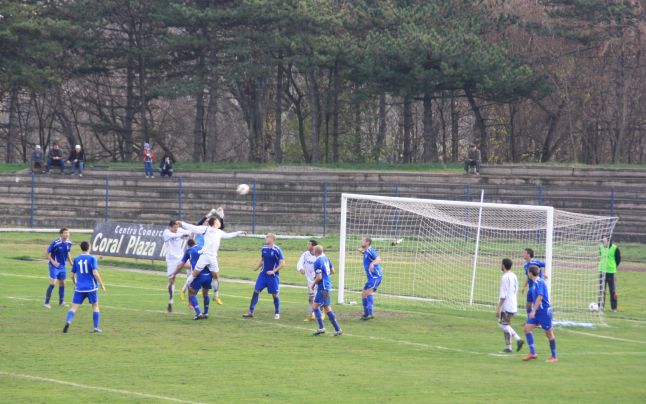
37 157
166 166
55 158
472 159
77 158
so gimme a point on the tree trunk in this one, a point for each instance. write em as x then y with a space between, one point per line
198 129
335 116
381 131
356 140
480 124
278 114
430 153
408 125
13 124
315 103
513 148
548 146
455 130
130 101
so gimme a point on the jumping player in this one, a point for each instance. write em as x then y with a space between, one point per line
213 234
540 315
174 239
272 262
508 306
374 274
86 278
58 254
323 269
528 257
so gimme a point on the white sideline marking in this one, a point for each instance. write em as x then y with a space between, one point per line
107 389
604 336
374 338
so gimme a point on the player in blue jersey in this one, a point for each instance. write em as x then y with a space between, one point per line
200 280
374 275
86 278
528 257
58 254
272 262
323 284
540 315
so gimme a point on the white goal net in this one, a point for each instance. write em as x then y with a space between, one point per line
449 252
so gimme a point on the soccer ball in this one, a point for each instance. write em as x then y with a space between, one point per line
243 189
593 307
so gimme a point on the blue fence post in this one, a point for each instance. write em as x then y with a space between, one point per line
33 200
324 208
107 197
253 207
612 201
180 192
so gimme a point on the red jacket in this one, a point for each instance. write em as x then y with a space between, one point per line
150 157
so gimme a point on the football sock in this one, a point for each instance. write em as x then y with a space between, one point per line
48 295
371 301
553 347
70 316
364 300
530 342
319 318
207 300
511 332
276 305
254 301
507 339
332 317
189 279
96 316
215 284
61 294
310 300
171 290
195 304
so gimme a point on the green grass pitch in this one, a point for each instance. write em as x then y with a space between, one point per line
407 354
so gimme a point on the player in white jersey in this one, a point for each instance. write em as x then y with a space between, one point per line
174 238
305 266
209 252
508 305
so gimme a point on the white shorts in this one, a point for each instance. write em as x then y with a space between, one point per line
171 266
211 262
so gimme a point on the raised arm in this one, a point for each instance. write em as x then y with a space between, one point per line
232 234
193 228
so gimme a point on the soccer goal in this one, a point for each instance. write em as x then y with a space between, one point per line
449 253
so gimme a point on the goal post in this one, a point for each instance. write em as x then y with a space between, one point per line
449 253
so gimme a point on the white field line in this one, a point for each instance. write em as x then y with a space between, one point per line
373 338
603 336
100 388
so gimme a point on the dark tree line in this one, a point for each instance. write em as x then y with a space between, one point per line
325 81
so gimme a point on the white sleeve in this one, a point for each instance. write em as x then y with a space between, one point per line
193 228
168 235
230 235
300 262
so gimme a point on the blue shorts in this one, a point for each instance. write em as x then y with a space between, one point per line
201 282
542 318
57 273
272 283
373 283
322 297
79 297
